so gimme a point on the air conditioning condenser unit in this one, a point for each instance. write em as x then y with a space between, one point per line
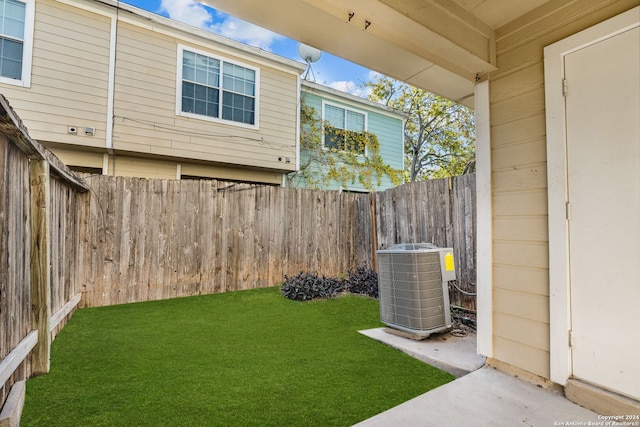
413 287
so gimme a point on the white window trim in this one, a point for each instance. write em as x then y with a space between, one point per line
346 108
27 47
179 112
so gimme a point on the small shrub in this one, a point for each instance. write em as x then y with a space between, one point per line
362 280
308 286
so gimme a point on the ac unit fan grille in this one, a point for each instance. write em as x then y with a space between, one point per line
411 292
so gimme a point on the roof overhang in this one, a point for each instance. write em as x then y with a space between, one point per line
439 45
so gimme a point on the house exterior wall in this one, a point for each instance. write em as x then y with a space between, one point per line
519 177
231 173
88 159
142 167
145 106
61 95
385 124
76 63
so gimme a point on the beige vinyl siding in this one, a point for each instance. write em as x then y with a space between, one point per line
142 168
520 232
232 174
72 157
69 75
146 119
155 168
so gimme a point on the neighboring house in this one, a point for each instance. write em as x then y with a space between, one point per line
556 92
349 112
112 89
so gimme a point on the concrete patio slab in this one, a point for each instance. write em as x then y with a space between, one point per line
486 397
482 396
456 355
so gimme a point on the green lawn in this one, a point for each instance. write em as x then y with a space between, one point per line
242 358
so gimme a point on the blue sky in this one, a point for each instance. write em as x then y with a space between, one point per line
329 70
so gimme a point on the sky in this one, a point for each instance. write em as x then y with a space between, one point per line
329 70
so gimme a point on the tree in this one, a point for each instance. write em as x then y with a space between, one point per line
349 158
439 136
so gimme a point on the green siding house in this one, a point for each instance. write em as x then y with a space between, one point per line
350 113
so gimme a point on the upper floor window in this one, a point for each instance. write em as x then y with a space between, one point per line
16 31
217 89
344 128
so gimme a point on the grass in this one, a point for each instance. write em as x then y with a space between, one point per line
243 358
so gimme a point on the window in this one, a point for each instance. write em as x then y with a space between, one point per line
216 89
344 128
16 30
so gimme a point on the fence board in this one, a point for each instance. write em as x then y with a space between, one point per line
64 235
464 239
15 258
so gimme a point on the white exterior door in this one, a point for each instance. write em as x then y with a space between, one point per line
603 187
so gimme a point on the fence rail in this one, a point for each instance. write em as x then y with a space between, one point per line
157 239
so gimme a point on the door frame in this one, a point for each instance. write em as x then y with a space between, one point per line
557 183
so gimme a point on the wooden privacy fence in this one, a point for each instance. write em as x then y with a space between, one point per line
156 239
38 256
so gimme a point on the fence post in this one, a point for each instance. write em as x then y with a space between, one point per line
374 229
40 264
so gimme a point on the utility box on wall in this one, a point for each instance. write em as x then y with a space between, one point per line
413 286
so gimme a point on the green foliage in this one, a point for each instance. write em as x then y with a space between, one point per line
347 157
249 358
439 135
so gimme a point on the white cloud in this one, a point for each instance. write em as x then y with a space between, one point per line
245 32
350 87
194 13
187 11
